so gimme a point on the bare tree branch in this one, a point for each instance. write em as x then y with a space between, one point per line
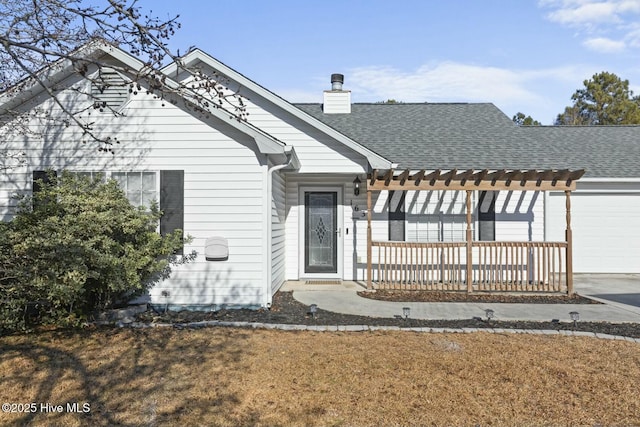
38 37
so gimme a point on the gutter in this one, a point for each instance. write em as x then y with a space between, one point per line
616 180
268 297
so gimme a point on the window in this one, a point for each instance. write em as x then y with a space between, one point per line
396 216
436 216
140 187
89 175
487 216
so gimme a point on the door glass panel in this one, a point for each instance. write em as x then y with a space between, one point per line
320 237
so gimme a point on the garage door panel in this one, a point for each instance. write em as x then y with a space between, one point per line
606 230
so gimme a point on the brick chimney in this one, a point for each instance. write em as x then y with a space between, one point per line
337 100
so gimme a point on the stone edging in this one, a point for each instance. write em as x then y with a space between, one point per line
363 328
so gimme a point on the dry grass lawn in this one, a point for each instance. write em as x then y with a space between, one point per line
237 377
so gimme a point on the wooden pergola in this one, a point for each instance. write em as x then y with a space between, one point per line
501 266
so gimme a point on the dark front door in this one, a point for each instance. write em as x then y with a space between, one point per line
321 222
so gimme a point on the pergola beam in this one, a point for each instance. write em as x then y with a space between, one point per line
512 180
418 177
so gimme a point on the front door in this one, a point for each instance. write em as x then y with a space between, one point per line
321 232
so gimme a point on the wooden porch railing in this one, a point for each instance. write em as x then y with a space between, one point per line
495 266
404 265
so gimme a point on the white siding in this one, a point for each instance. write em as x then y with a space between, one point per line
520 216
317 152
12 182
223 194
604 220
278 228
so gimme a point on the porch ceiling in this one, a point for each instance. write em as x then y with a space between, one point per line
471 179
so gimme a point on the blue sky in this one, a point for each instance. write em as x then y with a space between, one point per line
524 55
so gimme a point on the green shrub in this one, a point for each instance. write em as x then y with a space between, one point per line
75 247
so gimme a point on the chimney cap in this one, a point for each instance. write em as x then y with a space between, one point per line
336 81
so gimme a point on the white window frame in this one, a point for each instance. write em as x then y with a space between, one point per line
437 226
107 175
142 191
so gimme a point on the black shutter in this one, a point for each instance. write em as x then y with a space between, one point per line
397 216
39 178
172 201
487 216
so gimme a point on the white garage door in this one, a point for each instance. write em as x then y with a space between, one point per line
606 230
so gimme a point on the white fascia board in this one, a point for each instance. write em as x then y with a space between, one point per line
294 162
375 160
266 144
49 77
125 58
609 180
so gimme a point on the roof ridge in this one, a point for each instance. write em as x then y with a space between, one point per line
401 103
580 126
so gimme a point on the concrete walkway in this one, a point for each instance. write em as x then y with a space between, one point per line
619 293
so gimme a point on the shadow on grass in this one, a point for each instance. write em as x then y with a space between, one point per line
128 377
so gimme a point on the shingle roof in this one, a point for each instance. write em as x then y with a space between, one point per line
479 136
604 151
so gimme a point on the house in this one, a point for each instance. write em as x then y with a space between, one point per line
301 191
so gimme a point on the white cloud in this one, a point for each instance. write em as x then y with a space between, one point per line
633 35
608 26
450 81
590 12
577 13
510 90
605 45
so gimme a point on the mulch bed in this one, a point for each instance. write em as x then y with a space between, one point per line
436 296
286 310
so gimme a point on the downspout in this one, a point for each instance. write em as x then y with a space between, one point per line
268 297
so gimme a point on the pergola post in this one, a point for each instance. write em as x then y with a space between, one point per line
569 239
369 240
469 248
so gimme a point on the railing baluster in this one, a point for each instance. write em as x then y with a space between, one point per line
537 282
497 266
459 281
552 258
561 279
387 259
518 283
421 276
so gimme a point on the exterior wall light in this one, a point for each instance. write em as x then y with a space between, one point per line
406 311
356 186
